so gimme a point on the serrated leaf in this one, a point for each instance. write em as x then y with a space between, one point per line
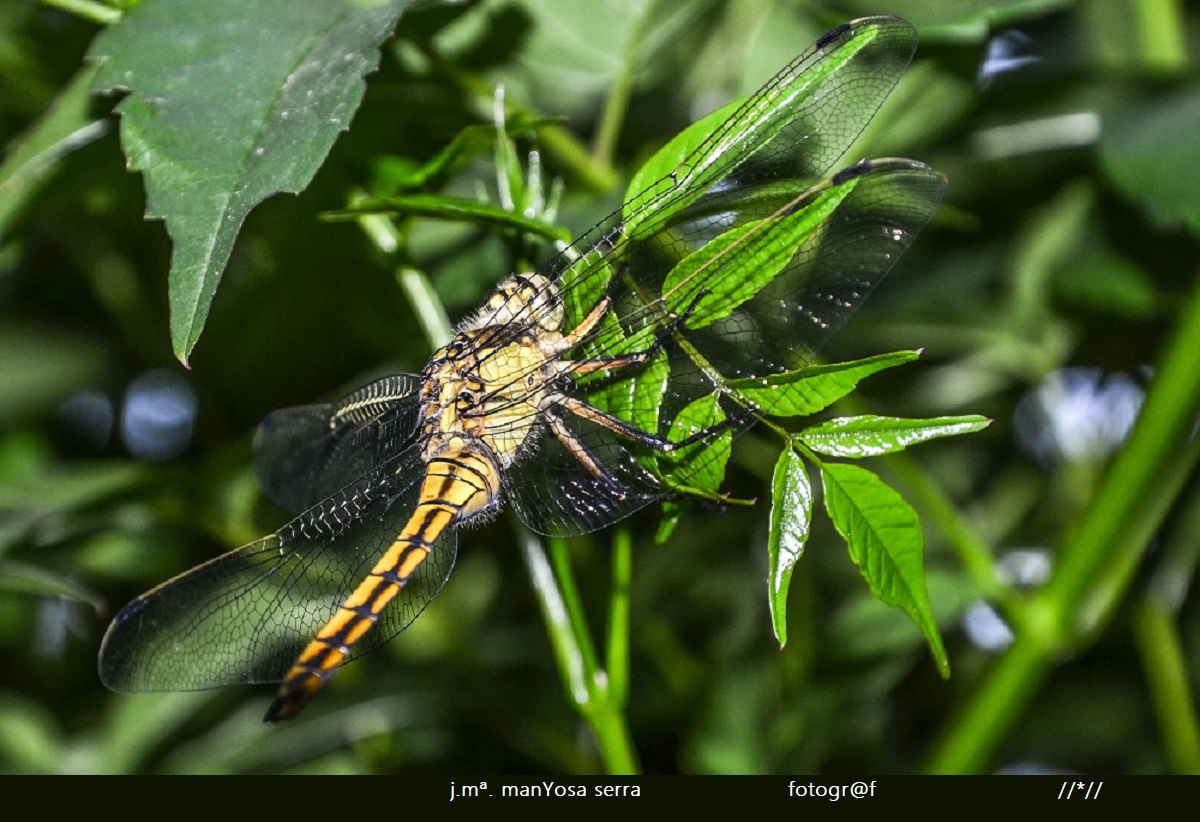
791 519
812 389
886 543
228 103
870 436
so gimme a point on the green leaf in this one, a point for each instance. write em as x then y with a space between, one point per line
1151 153
637 400
229 103
441 207
886 543
21 577
870 436
31 158
791 519
712 281
864 630
582 286
712 147
396 174
672 513
701 465
811 389
668 158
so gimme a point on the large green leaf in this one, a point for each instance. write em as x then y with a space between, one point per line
228 103
811 389
871 436
886 543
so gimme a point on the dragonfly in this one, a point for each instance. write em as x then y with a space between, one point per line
578 394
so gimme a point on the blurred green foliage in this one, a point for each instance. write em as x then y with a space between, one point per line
1068 238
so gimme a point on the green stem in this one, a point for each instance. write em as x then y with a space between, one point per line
564 575
995 706
586 684
1158 641
1097 560
431 314
617 656
557 140
88 9
612 119
1162 40
1166 670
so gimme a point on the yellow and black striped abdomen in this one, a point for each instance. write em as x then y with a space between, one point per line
457 485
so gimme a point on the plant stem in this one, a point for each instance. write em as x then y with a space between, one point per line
1098 559
588 687
89 10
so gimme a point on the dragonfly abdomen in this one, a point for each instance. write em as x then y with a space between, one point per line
457 485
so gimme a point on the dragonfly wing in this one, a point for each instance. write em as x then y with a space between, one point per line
786 273
746 282
304 454
245 616
772 146
556 495
797 126
742 262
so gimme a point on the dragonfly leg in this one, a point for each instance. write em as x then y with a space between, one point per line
580 452
589 412
624 360
585 326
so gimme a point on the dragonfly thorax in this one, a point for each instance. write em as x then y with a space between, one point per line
483 394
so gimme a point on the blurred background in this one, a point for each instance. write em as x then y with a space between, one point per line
1055 292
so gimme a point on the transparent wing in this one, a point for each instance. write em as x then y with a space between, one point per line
784 274
742 262
245 616
796 127
304 454
554 495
